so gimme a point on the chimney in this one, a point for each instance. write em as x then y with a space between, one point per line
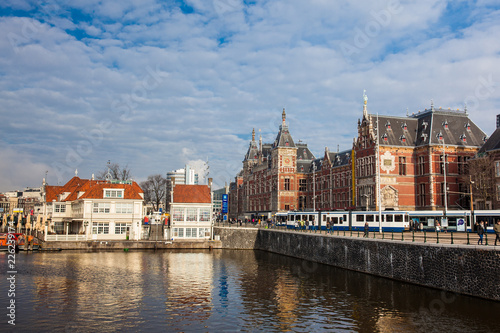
210 182
498 120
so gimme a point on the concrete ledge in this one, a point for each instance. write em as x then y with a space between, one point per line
124 244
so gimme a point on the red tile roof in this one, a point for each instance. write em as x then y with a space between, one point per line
92 189
192 194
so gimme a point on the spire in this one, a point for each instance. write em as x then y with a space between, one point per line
365 100
253 134
283 117
260 142
432 105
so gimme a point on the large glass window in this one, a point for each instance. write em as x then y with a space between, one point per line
192 214
101 207
178 214
204 214
100 228
124 208
121 228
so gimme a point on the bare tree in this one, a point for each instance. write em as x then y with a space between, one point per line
481 173
116 172
155 188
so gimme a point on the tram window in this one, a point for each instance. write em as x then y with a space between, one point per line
292 217
369 218
324 218
388 218
377 218
398 218
360 218
344 219
311 217
335 220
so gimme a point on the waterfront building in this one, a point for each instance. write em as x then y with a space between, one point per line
397 163
486 182
190 212
184 176
94 209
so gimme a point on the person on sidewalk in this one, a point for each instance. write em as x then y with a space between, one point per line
497 232
367 229
480 232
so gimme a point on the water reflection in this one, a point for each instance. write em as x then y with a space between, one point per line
211 291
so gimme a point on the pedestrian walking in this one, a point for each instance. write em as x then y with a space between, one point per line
367 229
480 232
497 232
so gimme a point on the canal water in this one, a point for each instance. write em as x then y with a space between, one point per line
223 291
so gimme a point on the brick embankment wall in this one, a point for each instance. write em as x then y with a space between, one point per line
469 270
121 245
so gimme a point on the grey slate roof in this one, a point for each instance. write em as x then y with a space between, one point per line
493 142
427 127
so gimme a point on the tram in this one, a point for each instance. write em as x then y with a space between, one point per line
392 221
489 217
456 220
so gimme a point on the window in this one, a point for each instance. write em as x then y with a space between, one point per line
100 228
188 232
421 195
287 184
204 214
498 192
113 193
497 168
121 228
192 214
360 218
421 165
178 214
60 208
101 207
124 208
402 166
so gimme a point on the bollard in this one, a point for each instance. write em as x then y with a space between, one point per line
402 236
468 243
437 237
452 238
425 236
383 235
392 235
374 235
486 236
413 236
358 233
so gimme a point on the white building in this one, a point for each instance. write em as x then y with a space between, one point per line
191 212
95 209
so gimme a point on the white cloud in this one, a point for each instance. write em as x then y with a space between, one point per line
159 88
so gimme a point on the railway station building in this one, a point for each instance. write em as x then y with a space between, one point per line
399 163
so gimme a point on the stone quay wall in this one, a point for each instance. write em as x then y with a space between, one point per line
464 269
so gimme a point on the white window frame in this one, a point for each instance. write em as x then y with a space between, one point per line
121 228
113 193
100 228
101 207
124 208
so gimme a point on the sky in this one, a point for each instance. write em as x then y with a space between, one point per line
155 85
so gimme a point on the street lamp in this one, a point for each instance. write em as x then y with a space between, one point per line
314 187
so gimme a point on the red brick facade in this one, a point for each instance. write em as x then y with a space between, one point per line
286 176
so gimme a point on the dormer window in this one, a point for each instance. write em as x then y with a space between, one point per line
445 124
463 138
384 137
115 193
439 136
404 127
388 125
424 137
402 138
425 124
467 126
485 139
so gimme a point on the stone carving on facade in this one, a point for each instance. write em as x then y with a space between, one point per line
389 197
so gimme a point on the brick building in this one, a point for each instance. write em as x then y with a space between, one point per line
286 176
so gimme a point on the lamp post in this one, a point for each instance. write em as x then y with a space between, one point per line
445 184
471 203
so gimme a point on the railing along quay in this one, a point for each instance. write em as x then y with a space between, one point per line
424 236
